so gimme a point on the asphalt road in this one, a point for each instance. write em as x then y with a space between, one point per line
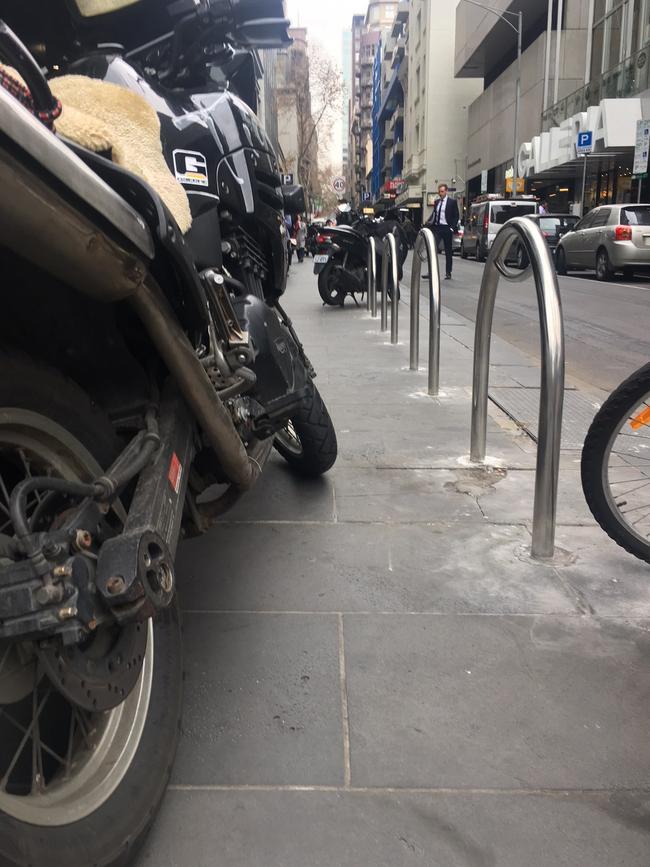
607 325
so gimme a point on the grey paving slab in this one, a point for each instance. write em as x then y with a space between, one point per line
262 700
510 499
369 494
545 702
527 376
350 829
280 495
464 567
608 580
446 446
523 405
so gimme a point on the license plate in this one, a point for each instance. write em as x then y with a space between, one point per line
321 260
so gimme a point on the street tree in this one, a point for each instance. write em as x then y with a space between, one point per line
312 95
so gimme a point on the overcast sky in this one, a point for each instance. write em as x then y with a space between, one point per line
325 21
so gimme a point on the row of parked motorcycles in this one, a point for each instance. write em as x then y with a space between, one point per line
148 369
341 262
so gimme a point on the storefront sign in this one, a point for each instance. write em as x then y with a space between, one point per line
642 147
613 124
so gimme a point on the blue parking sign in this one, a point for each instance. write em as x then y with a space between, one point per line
585 143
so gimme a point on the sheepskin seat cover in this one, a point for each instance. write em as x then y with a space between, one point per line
101 116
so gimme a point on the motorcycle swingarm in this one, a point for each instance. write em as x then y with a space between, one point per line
69 589
135 570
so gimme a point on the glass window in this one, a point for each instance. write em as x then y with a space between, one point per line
600 218
586 221
597 50
616 42
638 216
618 31
500 214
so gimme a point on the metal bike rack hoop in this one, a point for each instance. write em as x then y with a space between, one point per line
389 265
426 244
552 378
371 291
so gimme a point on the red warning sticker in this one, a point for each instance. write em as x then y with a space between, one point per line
175 473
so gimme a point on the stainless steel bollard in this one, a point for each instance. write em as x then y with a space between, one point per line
426 245
371 300
552 381
389 270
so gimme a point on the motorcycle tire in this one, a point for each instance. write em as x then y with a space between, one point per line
308 442
327 288
596 483
100 808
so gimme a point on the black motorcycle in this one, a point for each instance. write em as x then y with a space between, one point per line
146 374
343 269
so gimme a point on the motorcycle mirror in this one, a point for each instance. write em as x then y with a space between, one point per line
294 199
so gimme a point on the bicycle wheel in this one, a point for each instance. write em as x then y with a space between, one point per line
616 465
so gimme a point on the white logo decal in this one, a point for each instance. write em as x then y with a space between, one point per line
191 167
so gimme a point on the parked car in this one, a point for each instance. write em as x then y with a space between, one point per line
552 226
486 216
457 240
608 239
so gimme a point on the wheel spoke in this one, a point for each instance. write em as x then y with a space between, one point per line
28 733
21 728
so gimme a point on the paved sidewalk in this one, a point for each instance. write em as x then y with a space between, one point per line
377 673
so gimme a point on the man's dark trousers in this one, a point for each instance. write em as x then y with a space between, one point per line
445 234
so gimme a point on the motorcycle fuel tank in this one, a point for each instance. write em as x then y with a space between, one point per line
217 149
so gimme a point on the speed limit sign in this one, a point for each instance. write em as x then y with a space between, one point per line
338 185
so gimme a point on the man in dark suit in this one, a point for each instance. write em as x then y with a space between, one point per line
444 222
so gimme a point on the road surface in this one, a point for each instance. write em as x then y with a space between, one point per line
607 325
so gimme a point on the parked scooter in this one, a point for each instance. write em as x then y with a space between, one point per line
343 269
146 375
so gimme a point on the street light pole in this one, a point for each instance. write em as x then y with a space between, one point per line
518 29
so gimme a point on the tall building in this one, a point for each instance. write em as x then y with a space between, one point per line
436 108
346 66
297 134
366 34
358 23
589 71
388 126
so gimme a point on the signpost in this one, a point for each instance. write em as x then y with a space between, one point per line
338 185
287 180
365 197
641 150
584 147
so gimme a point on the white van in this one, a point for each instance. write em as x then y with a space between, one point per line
487 214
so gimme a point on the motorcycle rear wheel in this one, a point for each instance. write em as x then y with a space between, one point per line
308 442
84 787
328 287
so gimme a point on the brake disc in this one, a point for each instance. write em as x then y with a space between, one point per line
100 673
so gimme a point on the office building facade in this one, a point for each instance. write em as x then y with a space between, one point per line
584 67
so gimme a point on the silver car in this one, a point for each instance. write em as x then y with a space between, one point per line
608 239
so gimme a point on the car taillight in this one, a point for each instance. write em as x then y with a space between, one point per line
623 233
486 223
320 239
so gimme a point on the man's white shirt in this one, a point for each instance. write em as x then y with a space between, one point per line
441 207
